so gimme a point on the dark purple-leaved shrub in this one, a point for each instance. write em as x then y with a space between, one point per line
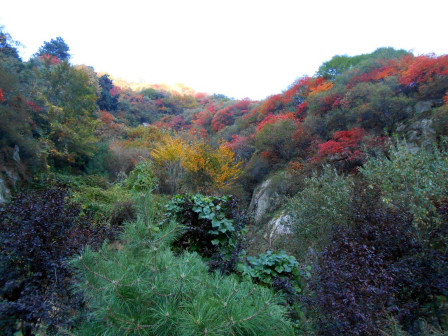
39 231
376 267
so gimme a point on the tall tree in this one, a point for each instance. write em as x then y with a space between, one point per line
57 48
107 101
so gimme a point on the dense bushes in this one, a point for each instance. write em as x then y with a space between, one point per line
323 203
214 227
39 230
142 288
410 180
377 267
379 241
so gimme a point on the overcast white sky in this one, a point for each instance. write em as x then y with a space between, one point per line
241 48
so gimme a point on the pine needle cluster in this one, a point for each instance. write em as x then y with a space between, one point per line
140 287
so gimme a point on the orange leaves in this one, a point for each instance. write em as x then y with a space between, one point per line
271 104
422 68
384 72
107 118
390 69
320 86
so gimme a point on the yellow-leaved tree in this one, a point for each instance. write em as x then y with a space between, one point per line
228 169
196 165
169 155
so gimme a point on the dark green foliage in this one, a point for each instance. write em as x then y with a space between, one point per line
97 198
214 227
7 49
106 101
39 230
19 117
152 94
337 65
277 142
56 47
323 204
377 106
267 267
99 163
142 288
341 63
412 181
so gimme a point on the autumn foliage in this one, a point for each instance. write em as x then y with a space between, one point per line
345 145
196 163
423 68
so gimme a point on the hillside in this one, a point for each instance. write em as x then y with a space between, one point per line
327 200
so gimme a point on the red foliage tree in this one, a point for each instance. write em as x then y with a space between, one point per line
389 69
240 146
273 118
115 91
2 98
107 118
222 118
50 59
301 108
242 104
343 146
271 104
423 68
176 123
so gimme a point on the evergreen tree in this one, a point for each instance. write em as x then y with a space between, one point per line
142 288
56 47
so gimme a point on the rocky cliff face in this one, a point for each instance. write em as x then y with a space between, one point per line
262 201
269 196
419 131
12 172
4 191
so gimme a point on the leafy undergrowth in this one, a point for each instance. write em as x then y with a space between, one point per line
214 227
142 288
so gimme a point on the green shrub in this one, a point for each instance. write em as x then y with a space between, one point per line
213 226
410 181
325 202
142 288
142 178
265 267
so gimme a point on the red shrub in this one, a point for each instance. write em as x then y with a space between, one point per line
423 68
344 145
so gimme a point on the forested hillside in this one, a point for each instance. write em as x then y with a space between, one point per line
143 209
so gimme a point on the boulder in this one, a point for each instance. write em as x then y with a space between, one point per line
262 201
278 226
